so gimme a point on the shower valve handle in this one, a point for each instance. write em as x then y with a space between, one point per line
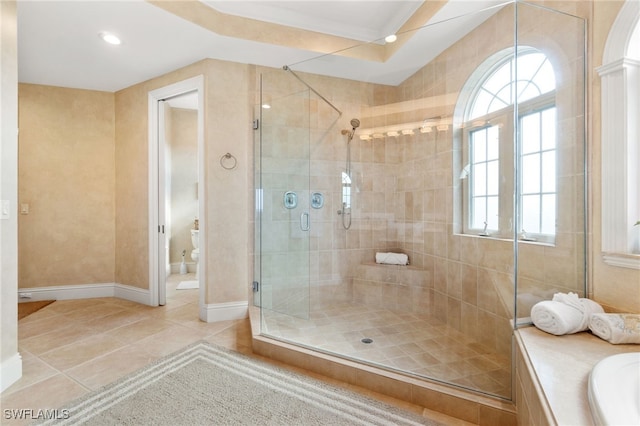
304 221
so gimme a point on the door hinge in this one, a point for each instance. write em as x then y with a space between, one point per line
256 124
255 286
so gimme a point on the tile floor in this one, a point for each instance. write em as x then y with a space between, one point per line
72 347
419 345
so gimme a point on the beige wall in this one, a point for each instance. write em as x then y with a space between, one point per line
10 362
228 114
183 141
67 179
132 177
229 111
84 174
618 288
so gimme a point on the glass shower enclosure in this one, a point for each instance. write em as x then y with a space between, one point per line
471 164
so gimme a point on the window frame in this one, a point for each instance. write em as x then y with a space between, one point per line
536 105
620 161
504 118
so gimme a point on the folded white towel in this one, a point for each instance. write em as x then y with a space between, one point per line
616 328
586 306
565 314
392 258
555 317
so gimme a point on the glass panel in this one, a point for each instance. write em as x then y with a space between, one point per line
527 91
493 215
531 213
284 168
479 142
561 213
549 171
497 81
502 99
481 104
479 173
545 79
549 128
258 206
493 143
493 178
548 214
479 213
401 193
528 66
531 174
530 133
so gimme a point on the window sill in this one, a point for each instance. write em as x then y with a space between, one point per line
498 237
622 260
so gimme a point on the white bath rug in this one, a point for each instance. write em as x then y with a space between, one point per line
187 285
211 385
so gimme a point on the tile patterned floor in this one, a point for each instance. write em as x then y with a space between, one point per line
72 347
422 346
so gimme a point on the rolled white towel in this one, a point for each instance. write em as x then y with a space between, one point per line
586 306
556 317
616 328
590 308
570 299
392 258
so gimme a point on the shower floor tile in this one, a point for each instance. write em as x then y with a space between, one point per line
421 346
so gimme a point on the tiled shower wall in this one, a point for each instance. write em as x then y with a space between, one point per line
405 195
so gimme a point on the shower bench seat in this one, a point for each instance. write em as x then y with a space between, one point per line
395 287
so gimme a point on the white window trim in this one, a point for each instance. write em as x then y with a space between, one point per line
620 83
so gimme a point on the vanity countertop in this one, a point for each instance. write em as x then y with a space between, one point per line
562 365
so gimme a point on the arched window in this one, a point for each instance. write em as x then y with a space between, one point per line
620 82
500 87
488 150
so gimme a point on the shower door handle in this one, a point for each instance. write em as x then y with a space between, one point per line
304 221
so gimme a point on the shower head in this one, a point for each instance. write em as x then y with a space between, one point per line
355 123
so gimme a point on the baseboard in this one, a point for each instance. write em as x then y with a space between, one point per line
66 292
10 371
133 294
224 311
85 291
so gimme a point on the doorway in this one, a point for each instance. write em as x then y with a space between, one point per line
176 194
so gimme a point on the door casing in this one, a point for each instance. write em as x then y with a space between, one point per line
157 225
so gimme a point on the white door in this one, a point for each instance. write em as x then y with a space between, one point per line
164 203
160 187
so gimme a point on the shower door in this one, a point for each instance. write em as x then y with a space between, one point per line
282 196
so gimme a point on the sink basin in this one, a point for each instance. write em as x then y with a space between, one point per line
614 390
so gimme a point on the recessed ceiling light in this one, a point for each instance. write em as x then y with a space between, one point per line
391 38
110 38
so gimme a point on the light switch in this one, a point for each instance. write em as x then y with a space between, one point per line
4 215
24 208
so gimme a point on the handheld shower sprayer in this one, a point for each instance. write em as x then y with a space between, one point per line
346 179
355 123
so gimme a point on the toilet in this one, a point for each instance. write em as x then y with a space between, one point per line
195 253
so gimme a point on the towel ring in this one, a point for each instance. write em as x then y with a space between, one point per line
228 161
